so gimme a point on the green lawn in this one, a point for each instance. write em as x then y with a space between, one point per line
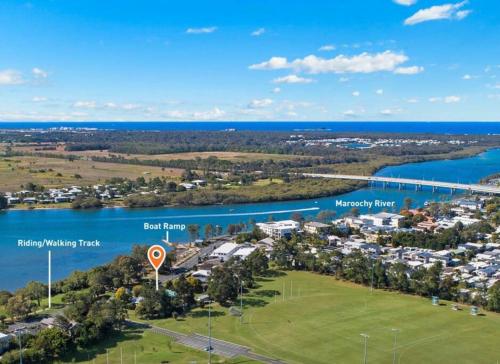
144 347
323 319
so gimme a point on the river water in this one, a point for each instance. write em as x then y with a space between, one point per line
118 229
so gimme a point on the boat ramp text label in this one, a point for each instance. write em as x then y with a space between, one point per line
164 226
58 243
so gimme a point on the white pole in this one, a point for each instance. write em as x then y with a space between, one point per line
121 355
50 279
157 284
283 291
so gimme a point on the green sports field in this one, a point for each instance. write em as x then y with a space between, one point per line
321 319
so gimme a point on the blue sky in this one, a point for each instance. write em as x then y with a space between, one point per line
250 60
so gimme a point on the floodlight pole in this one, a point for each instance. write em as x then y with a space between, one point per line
373 269
209 331
241 301
20 347
395 331
365 336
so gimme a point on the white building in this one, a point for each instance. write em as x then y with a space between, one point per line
243 252
202 275
4 342
225 251
383 219
279 229
315 227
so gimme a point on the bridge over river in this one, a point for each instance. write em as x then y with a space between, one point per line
418 183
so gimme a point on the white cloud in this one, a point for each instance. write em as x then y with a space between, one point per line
39 99
259 103
412 101
379 91
439 12
276 90
412 70
447 99
11 77
130 106
386 112
215 113
292 79
258 32
452 99
204 30
467 77
327 48
350 114
343 79
405 2
356 93
361 63
85 104
274 63
39 73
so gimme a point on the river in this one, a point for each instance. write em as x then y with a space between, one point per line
118 229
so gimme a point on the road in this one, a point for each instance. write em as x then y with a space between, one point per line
200 342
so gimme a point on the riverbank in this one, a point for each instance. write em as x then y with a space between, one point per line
295 190
120 228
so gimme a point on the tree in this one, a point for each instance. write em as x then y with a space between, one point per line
36 291
407 203
354 211
257 262
209 231
325 216
397 277
129 268
52 342
379 274
433 278
19 306
3 203
298 217
122 295
185 292
194 231
4 297
155 305
494 297
356 267
140 254
223 285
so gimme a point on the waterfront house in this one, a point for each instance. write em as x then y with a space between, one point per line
279 229
315 227
225 251
243 252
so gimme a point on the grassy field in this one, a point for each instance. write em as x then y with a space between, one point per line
231 156
53 172
144 347
320 321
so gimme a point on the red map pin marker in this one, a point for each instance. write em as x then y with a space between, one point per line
156 256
